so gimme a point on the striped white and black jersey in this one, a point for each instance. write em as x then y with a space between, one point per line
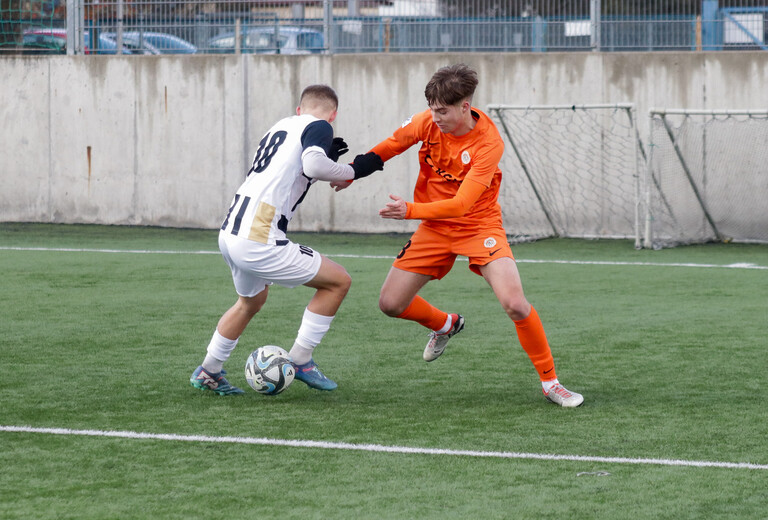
291 156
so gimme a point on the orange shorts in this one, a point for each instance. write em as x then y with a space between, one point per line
433 252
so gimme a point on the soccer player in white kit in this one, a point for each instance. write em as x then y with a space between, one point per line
295 153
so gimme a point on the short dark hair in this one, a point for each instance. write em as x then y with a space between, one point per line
320 95
451 85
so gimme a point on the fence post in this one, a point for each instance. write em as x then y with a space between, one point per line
353 8
539 33
711 37
119 36
594 22
71 17
327 25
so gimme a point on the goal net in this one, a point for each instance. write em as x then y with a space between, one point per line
707 177
570 171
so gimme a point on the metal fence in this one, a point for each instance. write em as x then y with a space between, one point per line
364 26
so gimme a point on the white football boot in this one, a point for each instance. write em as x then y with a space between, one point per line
437 342
558 394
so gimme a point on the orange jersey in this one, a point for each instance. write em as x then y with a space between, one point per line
446 163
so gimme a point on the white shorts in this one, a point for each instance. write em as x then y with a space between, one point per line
254 265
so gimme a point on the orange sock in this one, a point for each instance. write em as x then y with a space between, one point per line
530 332
422 312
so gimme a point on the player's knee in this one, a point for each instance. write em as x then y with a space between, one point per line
339 285
252 305
336 279
516 308
390 307
251 308
344 283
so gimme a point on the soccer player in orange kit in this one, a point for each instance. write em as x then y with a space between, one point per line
456 199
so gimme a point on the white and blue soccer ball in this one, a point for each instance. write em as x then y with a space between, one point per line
268 370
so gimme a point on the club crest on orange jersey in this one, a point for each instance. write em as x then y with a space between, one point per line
465 158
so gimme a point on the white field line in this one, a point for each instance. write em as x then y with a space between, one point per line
390 257
378 448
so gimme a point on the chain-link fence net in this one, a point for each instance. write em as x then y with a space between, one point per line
708 178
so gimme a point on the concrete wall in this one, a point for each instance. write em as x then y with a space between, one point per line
166 140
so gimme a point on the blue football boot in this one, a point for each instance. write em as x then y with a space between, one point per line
311 375
217 383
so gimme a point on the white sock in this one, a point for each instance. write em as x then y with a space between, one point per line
299 354
547 385
219 350
446 326
313 328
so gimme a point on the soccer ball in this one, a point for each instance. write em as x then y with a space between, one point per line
268 370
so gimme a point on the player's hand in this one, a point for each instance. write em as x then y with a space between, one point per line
395 209
366 164
341 185
338 148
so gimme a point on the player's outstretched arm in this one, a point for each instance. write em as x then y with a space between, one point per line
366 164
396 209
454 207
363 166
317 165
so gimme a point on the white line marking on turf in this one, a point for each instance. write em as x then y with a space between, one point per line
645 264
89 250
390 257
378 448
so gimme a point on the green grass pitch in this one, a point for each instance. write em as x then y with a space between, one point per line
100 332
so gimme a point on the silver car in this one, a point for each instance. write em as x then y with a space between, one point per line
269 40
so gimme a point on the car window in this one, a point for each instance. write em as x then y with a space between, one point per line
264 40
136 48
224 42
309 41
259 41
168 42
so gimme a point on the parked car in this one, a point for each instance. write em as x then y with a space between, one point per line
136 46
54 41
162 43
272 39
35 42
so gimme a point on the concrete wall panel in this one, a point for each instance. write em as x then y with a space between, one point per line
24 139
92 128
166 140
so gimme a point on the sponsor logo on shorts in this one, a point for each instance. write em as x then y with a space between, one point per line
489 242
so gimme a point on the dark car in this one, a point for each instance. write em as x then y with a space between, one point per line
54 41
